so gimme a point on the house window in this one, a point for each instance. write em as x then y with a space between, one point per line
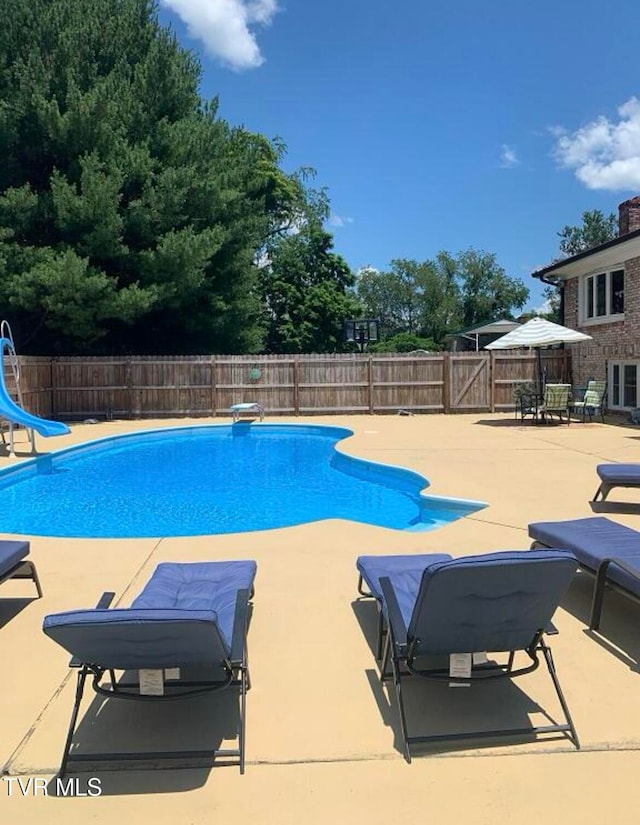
603 296
617 292
623 385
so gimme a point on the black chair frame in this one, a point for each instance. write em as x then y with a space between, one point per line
236 675
382 625
400 649
602 583
24 569
607 486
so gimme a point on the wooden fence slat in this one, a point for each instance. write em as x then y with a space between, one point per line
446 384
296 385
492 386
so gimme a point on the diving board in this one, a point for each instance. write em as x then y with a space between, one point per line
247 407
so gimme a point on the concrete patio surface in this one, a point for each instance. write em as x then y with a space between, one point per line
322 734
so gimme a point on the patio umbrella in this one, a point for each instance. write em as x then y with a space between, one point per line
538 333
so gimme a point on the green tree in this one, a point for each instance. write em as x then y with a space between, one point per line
409 279
306 292
486 291
405 342
440 310
413 297
596 228
379 294
433 298
130 214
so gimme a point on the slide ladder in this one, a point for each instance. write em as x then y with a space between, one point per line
15 413
14 367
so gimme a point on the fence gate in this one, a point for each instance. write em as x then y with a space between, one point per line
469 382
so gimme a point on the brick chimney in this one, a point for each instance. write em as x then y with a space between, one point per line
628 216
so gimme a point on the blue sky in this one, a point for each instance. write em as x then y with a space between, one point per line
435 126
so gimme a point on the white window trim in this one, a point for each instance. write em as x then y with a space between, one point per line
584 321
621 364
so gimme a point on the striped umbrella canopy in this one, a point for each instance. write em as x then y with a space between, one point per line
538 333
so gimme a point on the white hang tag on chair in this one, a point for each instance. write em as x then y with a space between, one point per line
480 657
151 682
460 668
171 673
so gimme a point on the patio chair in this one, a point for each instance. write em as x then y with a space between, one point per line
593 400
13 564
555 402
192 617
500 602
607 550
525 400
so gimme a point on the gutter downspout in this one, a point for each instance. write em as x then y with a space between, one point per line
557 285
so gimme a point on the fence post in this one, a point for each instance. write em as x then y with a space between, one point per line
214 405
296 385
370 382
446 382
52 391
129 383
492 381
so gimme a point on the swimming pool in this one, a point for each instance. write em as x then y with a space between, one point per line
213 479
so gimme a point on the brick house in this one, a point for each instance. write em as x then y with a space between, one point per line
600 295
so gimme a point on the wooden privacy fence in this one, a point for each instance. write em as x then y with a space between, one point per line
153 387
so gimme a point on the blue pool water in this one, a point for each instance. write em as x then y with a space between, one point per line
211 480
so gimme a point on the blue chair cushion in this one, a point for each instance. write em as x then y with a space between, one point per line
405 573
126 639
11 552
619 473
593 540
495 601
202 586
184 616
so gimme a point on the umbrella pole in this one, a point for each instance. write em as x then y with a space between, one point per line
540 371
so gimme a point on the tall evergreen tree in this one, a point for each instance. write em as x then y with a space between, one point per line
130 214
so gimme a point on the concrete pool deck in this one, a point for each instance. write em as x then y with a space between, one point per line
322 741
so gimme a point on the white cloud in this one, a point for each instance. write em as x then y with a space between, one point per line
604 154
544 308
337 221
224 27
508 157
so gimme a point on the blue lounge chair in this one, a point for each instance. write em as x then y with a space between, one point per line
13 564
616 475
498 602
609 551
188 616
